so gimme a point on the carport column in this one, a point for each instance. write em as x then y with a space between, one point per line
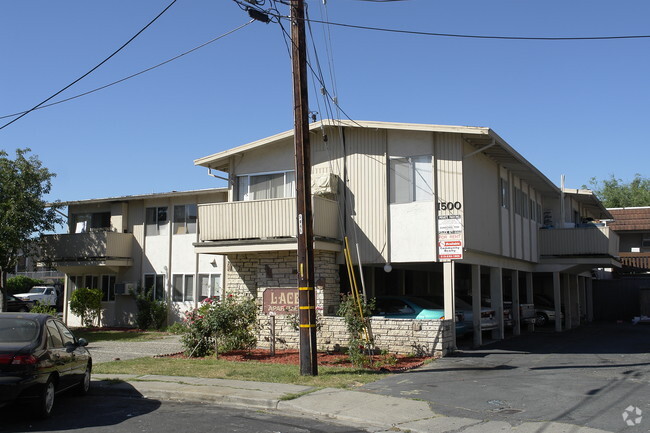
590 299
575 300
557 298
516 328
449 282
476 305
583 298
530 298
496 296
568 305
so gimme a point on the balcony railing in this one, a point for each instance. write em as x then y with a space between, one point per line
640 261
260 219
588 241
89 246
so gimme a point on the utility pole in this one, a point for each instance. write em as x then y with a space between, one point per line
306 293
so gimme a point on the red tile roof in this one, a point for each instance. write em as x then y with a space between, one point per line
628 219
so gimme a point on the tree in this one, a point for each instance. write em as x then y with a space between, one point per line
614 192
87 304
24 214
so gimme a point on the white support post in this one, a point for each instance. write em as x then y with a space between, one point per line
476 305
557 299
449 282
496 296
583 298
530 296
590 299
568 304
516 318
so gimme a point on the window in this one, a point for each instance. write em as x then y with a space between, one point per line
91 282
505 193
183 287
156 284
156 222
108 288
524 205
53 335
85 222
185 219
411 179
265 186
68 338
516 202
209 286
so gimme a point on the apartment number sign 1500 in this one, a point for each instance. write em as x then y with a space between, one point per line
449 205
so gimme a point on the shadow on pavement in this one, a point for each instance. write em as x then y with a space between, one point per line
73 412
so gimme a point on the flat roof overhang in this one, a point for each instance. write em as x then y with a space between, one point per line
262 245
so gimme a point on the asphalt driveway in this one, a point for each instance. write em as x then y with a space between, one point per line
587 377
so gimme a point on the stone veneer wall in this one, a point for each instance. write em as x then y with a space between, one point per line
430 337
251 273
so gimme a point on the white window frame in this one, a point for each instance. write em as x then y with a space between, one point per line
189 223
185 290
419 184
213 289
244 183
158 293
158 227
108 293
504 195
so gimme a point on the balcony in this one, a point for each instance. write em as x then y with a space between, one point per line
246 225
635 262
101 248
578 242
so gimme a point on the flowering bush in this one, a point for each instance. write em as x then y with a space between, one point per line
220 326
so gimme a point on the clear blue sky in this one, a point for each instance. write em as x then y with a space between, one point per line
578 108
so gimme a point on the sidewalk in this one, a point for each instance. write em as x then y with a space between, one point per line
369 411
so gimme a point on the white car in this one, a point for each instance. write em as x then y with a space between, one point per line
44 294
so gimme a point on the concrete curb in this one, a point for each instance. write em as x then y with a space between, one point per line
369 411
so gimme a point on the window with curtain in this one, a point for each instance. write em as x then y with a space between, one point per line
266 186
411 179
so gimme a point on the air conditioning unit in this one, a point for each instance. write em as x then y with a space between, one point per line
124 288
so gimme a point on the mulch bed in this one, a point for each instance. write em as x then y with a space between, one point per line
390 363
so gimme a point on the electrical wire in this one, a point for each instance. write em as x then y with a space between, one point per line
133 75
456 35
93 69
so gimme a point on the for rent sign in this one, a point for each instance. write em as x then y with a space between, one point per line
280 301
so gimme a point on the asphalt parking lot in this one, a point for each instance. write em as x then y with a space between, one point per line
587 376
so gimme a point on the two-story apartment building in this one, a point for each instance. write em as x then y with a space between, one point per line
121 244
428 209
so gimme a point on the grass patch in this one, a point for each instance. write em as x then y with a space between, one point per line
332 377
94 335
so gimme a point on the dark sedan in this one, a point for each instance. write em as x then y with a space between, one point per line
39 358
18 305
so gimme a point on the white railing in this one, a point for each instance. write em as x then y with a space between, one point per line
259 219
578 241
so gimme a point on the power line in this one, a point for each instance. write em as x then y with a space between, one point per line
132 75
456 35
92 70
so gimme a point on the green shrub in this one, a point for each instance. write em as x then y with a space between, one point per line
176 328
21 284
223 326
43 309
359 347
152 313
87 304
